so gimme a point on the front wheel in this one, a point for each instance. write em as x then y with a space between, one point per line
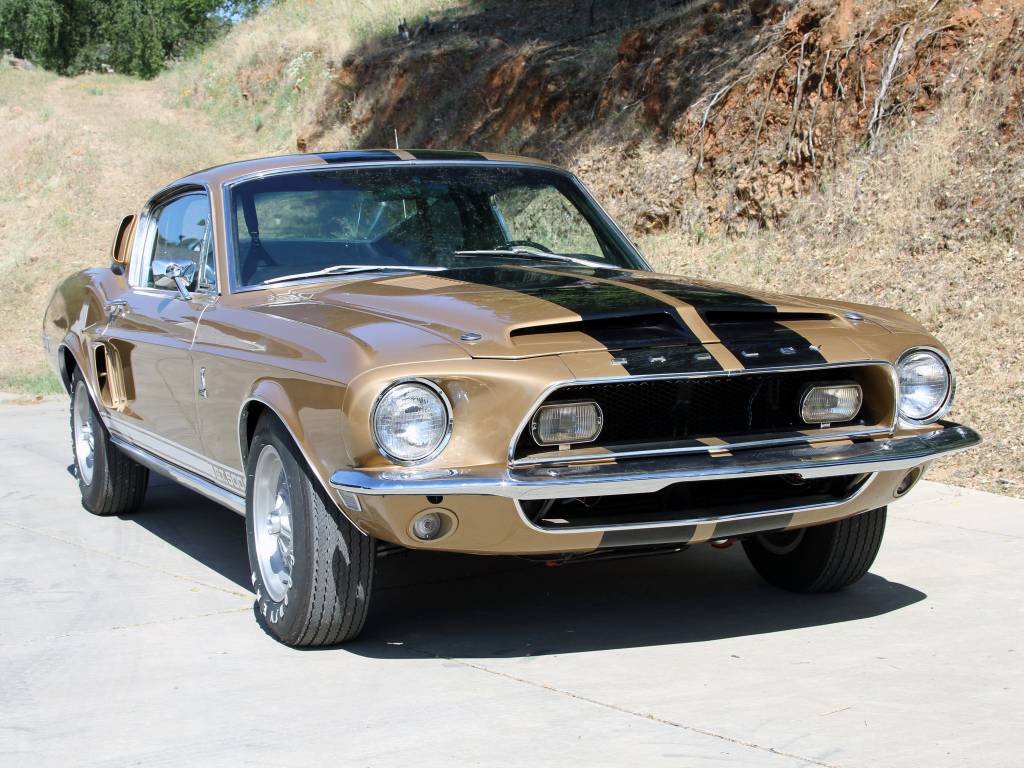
111 483
821 558
311 568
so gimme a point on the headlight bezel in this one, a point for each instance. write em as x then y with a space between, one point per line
946 402
434 389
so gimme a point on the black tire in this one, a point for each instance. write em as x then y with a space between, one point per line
821 558
322 597
111 483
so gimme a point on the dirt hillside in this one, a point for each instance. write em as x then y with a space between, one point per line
870 151
75 156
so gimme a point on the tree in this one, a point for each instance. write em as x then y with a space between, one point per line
134 37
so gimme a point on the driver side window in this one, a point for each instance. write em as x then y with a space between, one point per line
180 233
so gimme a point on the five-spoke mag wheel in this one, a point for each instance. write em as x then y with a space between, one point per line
272 526
312 570
111 483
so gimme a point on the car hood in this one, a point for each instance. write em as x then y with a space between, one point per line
521 311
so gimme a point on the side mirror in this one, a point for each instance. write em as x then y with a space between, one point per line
168 273
119 249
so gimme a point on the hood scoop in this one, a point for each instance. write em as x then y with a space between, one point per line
616 331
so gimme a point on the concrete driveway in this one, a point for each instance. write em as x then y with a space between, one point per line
133 641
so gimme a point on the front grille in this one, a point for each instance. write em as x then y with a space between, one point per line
691 408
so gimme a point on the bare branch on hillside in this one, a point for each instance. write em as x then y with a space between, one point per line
876 115
814 112
714 100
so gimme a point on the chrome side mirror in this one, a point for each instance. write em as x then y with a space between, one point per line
168 273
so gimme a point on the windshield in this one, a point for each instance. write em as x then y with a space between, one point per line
418 217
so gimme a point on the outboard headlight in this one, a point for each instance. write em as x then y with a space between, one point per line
926 386
411 421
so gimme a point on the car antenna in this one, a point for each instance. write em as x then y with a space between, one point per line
396 138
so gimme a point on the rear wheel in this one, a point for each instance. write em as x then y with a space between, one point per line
821 558
311 568
111 483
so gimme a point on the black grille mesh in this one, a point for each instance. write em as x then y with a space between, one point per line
679 409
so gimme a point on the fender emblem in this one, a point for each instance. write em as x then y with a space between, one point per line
202 382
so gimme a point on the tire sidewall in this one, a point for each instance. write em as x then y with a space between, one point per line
286 617
91 492
800 567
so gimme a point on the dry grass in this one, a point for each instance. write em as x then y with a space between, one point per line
75 156
908 228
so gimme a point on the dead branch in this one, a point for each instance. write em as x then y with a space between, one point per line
817 101
714 100
797 96
767 101
876 115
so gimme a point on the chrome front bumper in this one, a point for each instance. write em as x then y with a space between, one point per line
650 475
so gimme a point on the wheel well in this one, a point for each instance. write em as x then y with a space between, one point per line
247 425
67 364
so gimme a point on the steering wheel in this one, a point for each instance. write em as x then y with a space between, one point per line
531 243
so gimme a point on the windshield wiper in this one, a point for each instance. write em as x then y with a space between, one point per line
526 253
348 269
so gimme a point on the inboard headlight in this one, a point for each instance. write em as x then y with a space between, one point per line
831 403
925 386
411 421
563 423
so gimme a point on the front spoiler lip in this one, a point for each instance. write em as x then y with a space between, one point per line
650 475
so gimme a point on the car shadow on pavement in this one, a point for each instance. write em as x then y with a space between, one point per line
471 606
204 530
511 608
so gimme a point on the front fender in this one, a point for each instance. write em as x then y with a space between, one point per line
318 440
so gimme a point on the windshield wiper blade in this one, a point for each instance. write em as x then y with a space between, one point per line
526 253
348 269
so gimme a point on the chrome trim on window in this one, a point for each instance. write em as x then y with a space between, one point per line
229 233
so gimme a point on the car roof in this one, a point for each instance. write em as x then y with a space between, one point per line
221 174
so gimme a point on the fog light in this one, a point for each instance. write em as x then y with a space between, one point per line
427 527
908 482
567 423
829 403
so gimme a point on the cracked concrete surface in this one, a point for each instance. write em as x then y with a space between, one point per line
133 642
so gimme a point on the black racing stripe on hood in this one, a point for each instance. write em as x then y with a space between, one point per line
785 349
770 344
587 298
443 154
701 297
359 156
667 360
